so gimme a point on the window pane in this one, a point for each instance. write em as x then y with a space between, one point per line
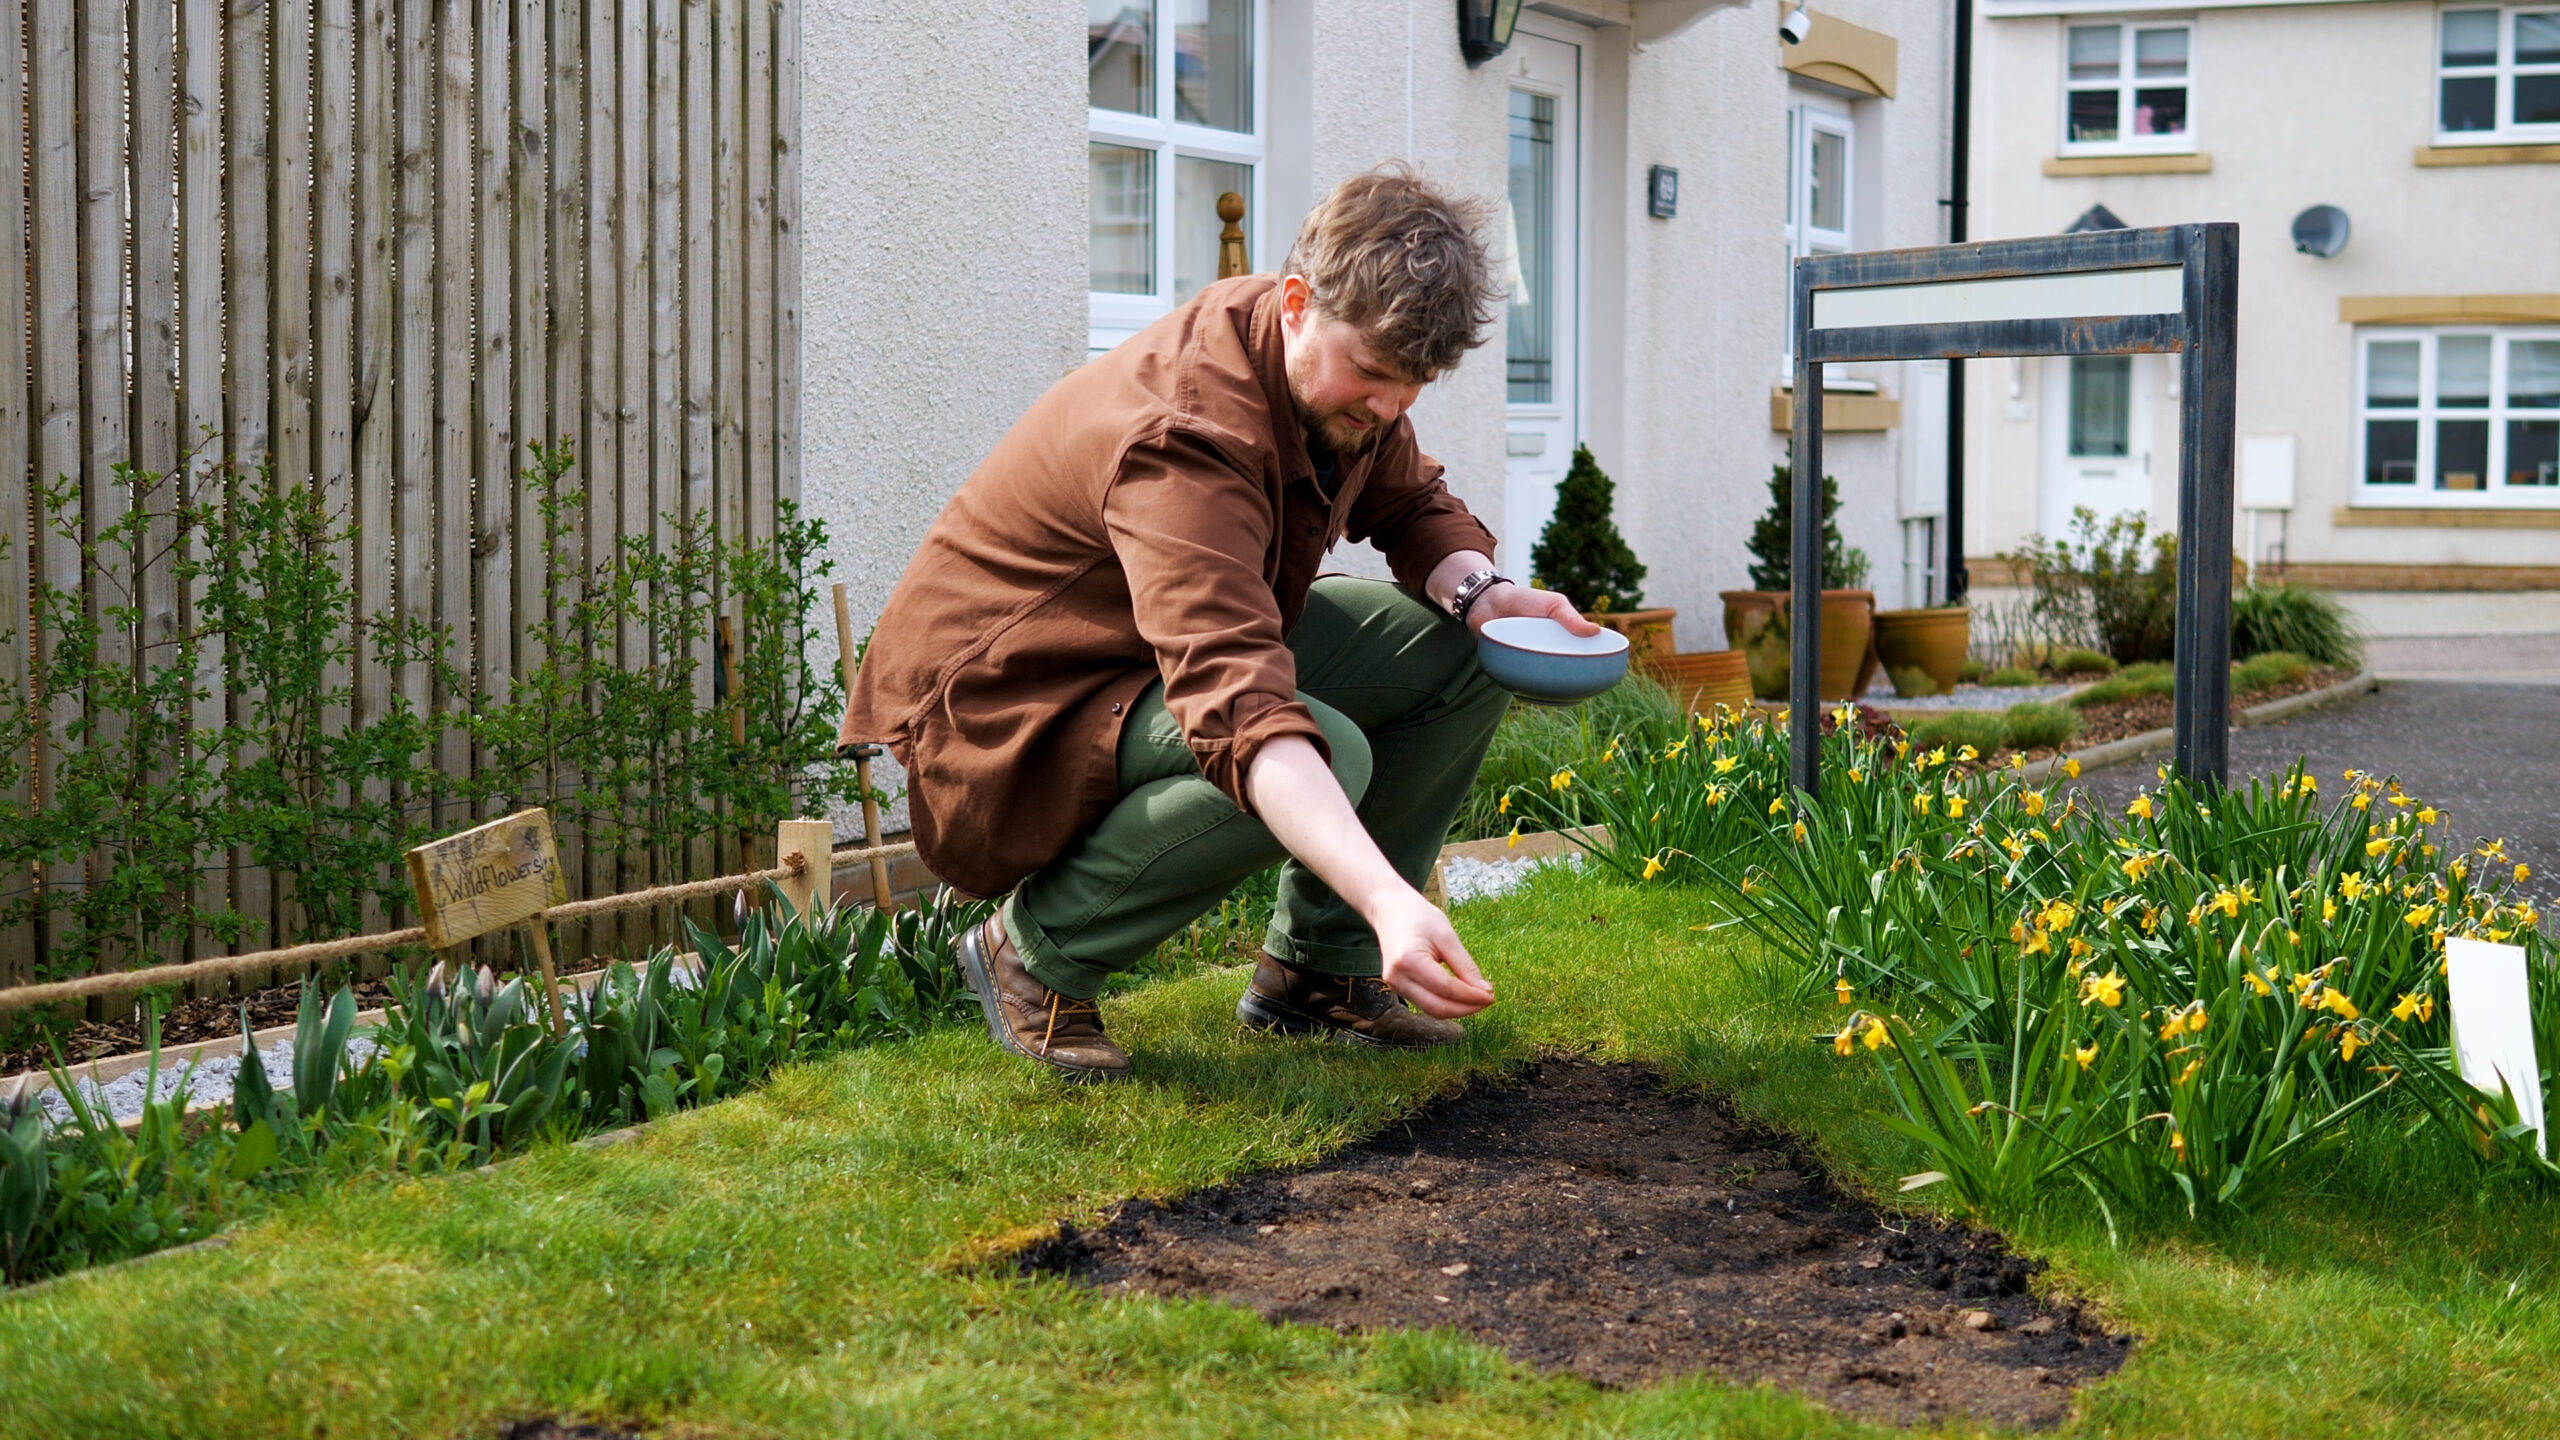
2471 37
2096 51
1827 202
2469 104
1197 184
2093 114
1529 348
2391 452
2159 54
2533 374
2160 112
1213 63
2101 401
1124 220
2462 372
2462 454
2538 38
2533 452
1120 55
2391 376
2538 100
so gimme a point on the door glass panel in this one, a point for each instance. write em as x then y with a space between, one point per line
2470 37
1120 56
2096 51
1213 63
2462 454
2101 406
1124 220
2538 38
1827 199
1197 184
2093 115
1530 345
2391 375
2462 372
2533 374
2159 54
2391 452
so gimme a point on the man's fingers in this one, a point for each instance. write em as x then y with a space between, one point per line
1435 989
1561 609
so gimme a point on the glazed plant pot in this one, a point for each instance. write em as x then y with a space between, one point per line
1648 632
1922 651
1757 624
1701 681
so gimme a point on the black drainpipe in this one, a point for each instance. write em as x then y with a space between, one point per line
1959 185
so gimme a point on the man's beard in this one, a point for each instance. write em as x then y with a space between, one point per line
1337 435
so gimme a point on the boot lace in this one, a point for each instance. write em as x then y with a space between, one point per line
1061 1007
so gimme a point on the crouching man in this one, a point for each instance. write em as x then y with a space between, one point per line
1118 686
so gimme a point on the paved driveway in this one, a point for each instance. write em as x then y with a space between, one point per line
2489 753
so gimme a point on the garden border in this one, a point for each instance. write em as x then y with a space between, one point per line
2134 747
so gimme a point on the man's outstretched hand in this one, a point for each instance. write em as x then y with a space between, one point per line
1518 599
1425 961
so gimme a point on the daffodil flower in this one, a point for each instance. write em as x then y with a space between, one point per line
2107 990
2427 815
2087 1054
2190 1072
1514 842
1561 780
2335 1001
2376 845
1968 754
2408 1007
1856 775
1935 757
1846 1042
1877 1037
1778 806
1955 807
1842 988
1725 763
2257 982
1505 807
2348 1044
2032 802
2070 767
1652 867
2418 917
1799 832
2140 807
1922 801
2057 915
2137 866
2523 873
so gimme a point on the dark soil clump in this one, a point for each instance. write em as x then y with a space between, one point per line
1586 1218
559 1430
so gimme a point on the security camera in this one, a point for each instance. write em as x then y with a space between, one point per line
1796 26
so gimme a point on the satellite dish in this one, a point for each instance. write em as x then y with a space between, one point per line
2320 230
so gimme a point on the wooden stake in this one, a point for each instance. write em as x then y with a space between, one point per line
861 754
550 975
813 889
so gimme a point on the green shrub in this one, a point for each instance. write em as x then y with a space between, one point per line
1535 741
2152 677
1955 729
2076 662
1971 672
2267 671
2012 677
2039 724
1772 541
2304 620
2111 582
1580 554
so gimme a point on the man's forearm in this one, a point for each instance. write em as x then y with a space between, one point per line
1442 585
1297 798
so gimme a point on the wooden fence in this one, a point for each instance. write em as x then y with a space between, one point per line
388 243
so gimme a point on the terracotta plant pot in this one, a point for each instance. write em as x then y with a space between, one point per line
1648 632
1923 650
1756 623
1701 681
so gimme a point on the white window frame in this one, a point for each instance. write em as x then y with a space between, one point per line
2125 85
1113 317
1805 115
2504 131
2495 492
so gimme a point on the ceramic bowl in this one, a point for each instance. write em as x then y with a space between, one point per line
1537 659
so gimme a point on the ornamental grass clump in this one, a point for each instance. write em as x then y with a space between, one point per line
2166 1008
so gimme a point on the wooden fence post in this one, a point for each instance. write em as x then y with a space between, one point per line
813 889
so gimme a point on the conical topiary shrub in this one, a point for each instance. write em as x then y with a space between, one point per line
1773 538
1580 554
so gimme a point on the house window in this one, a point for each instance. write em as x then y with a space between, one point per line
2125 89
2498 75
2459 417
1820 170
1170 128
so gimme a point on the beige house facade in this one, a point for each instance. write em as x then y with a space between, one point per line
2394 168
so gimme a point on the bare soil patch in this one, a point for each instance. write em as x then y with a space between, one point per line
1583 1217
2125 719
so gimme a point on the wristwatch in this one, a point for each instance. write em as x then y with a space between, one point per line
1472 589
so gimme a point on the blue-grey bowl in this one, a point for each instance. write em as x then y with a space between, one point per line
1538 659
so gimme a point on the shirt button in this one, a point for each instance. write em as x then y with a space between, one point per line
1115 707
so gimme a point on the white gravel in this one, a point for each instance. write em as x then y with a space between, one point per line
1971 697
1483 879
210 1084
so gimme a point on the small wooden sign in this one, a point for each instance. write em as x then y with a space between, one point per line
503 873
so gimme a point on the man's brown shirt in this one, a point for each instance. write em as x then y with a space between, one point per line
1156 513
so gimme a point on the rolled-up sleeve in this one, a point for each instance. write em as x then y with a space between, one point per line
1406 510
1191 533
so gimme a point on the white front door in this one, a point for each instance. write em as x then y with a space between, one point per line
2097 439
1541 353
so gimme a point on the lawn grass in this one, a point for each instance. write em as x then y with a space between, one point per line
803 1260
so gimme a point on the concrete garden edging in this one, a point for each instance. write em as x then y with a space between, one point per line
2134 747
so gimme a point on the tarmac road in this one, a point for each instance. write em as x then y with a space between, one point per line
2488 753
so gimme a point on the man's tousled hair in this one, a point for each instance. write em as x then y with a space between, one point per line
1404 262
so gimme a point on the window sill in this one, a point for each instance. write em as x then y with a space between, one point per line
2449 309
2191 163
1842 410
2447 517
2431 156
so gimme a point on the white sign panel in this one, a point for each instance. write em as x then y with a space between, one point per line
2493 1025
2160 290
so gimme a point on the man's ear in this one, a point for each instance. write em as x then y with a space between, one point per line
1297 298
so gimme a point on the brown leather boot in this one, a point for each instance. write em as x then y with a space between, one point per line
1358 1009
1030 1019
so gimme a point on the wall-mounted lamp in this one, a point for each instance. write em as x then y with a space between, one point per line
1797 25
1484 28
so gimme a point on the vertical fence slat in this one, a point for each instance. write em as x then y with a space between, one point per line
727 347
607 199
565 99
17 540
413 363
529 157
54 232
666 413
289 122
369 391
786 250
701 500
331 383
756 319
493 597
153 98
249 319
454 516
106 427
200 282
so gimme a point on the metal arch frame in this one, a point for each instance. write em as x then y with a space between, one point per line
2202 329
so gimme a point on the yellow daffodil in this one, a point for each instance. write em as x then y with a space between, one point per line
2087 1054
2197 1019
2407 1009
2418 916
1750 886
1842 988
1724 764
1846 1042
2017 760
2057 915
2137 866
2190 1072
1799 832
1716 795
2178 1144
1922 801
2080 947
2427 815
2256 982
1505 807
1968 754
2523 873
2335 1001
2377 845
2039 943
2070 767
2176 1027
1561 780
2107 990
2310 786
1877 1037
2141 807
2348 1044
1514 842
2353 885
1656 820
1856 775
2362 801
1652 867
1778 806
1610 754
1955 807
2226 901
2032 802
